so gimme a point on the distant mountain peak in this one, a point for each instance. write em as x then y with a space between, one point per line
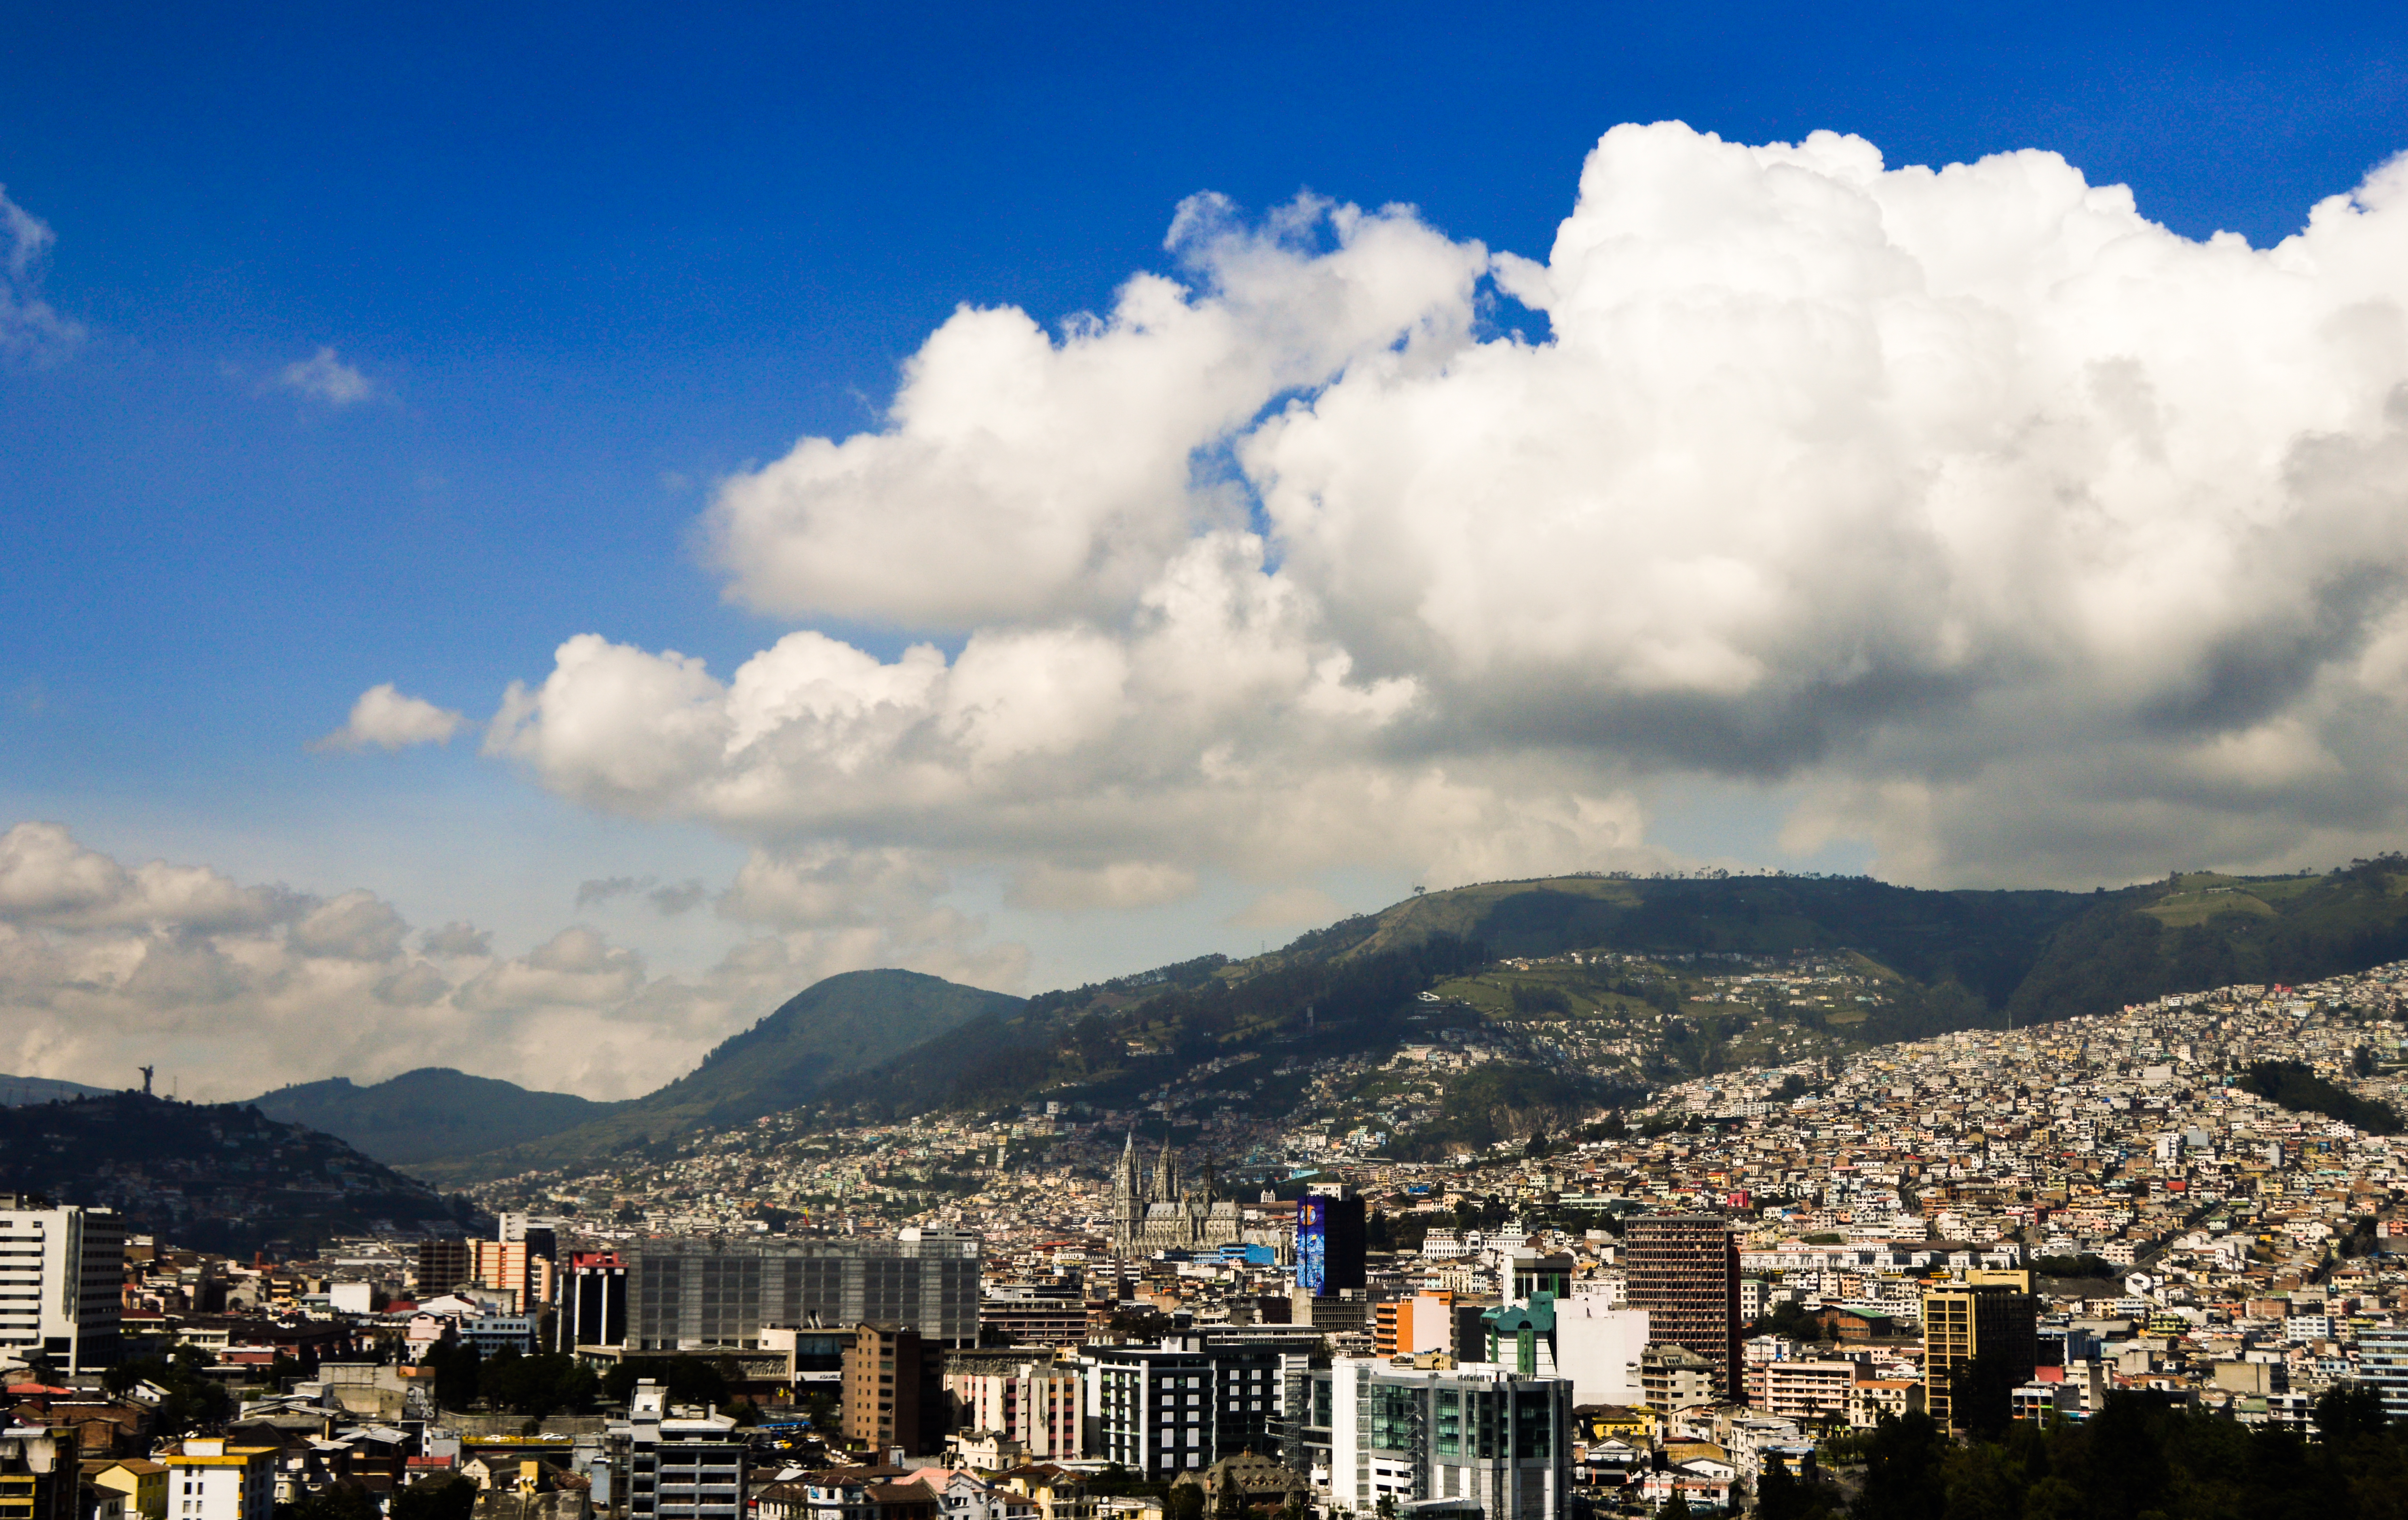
838 1026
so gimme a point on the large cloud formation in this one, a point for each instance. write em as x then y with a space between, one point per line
232 989
2002 527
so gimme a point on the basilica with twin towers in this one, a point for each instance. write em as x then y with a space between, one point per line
1159 1212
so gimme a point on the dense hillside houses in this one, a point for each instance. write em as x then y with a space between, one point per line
1725 1290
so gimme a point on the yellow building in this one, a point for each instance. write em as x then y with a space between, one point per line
143 1483
1962 1321
1605 1422
37 1478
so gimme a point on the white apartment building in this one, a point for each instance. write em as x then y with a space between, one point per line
1599 1346
62 1277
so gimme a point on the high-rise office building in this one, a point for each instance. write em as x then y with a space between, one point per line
1683 1271
1330 1246
893 1391
442 1265
62 1282
593 1300
1467 1435
540 1238
1998 1319
692 1294
510 1266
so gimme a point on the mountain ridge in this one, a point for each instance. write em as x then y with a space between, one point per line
837 1026
210 1176
16 1092
1955 959
427 1113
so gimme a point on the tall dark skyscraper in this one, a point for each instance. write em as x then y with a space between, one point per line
442 1265
1684 1270
1329 1245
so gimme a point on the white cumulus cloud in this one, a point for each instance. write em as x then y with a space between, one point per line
2015 534
386 719
238 988
323 377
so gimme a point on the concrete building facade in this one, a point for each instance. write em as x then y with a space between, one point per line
62 1275
1039 1404
694 1294
1683 1271
208 1480
674 1465
1180 1406
1599 1346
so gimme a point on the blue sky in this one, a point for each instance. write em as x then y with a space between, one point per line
583 264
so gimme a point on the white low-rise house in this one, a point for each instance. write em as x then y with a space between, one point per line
1701 1485
962 1496
1871 1398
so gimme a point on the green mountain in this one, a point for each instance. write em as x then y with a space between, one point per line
906 1043
210 1176
2189 933
1984 942
17 1090
834 1028
429 1113
1945 960
830 1030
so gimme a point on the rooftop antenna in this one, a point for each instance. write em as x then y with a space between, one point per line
146 1079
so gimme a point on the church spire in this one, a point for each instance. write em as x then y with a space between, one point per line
1128 1206
1165 1176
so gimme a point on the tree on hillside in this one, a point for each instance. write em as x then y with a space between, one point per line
538 1385
456 1368
688 1380
1902 1471
194 1401
450 1501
